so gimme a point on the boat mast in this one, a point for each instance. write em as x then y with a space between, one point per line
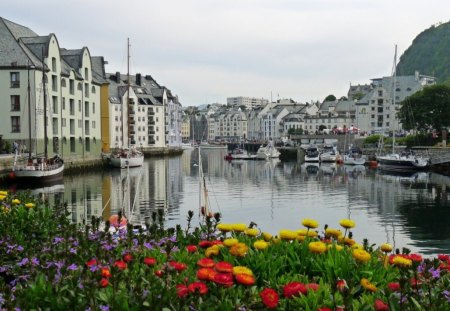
128 93
45 106
393 92
29 111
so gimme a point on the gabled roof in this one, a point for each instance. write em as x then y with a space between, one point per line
98 69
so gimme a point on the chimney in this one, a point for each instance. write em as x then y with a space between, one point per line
118 77
138 79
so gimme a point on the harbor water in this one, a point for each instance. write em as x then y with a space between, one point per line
410 211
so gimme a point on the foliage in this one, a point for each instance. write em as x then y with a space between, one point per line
330 97
428 109
428 54
294 131
48 263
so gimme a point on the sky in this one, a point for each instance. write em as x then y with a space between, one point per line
207 50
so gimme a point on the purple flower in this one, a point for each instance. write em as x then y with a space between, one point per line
145 293
57 240
3 268
94 268
148 245
435 273
104 308
20 248
72 267
75 243
35 261
73 250
23 262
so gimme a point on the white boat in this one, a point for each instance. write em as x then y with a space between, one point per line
239 154
329 153
354 156
38 169
405 161
267 152
127 155
312 153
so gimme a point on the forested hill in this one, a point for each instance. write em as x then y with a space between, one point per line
429 54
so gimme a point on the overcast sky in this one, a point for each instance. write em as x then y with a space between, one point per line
208 50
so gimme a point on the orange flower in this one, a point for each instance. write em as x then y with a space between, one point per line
224 267
239 250
245 279
106 273
205 274
206 263
198 287
225 279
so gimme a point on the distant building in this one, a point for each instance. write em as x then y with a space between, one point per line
377 110
248 102
358 91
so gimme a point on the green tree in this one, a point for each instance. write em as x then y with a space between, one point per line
330 98
358 95
427 109
322 127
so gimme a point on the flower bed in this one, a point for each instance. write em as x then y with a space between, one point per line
46 262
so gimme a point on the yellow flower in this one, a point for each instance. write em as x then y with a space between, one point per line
288 235
5 210
304 232
5 193
15 201
242 270
387 248
334 233
224 227
260 244
239 227
361 255
239 250
276 240
347 223
402 262
301 238
310 223
317 247
2 197
212 251
230 242
267 236
367 285
252 232
357 246
335 246
346 241
30 205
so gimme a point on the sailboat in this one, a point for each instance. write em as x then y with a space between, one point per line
127 155
405 161
38 169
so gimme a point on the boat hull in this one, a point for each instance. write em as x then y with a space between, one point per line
400 164
349 160
124 162
33 175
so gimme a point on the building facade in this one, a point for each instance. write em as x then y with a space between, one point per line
248 102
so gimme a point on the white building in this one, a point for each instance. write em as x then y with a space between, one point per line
248 102
72 101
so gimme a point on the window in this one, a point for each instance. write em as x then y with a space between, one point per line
408 89
72 127
93 107
72 143
54 83
93 90
15 79
63 82
380 93
53 64
80 87
88 144
86 109
86 74
55 104
15 103
55 126
86 90
72 107
71 87
86 127
93 124
15 124
79 106
63 103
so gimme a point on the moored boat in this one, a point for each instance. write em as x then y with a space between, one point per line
312 154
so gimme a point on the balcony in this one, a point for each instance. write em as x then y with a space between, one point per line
151 113
151 132
151 141
131 112
151 122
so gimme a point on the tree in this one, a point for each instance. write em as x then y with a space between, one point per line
358 95
330 98
322 127
428 109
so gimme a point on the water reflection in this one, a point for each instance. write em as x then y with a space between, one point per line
410 211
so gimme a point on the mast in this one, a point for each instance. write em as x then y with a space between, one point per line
45 106
393 92
128 93
29 111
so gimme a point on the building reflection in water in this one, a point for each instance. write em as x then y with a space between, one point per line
406 210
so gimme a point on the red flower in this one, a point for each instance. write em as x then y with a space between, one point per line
293 289
394 286
191 248
443 257
206 274
269 298
324 309
92 262
415 282
312 286
159 273
106 273
224 267
179 266
380 305
198 287
245 279
205 244
127 257
149 261
206 263
415 257
341 285
182 290
122 265
103 282
225 279
217 242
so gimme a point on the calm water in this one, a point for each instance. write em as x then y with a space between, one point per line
407 211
